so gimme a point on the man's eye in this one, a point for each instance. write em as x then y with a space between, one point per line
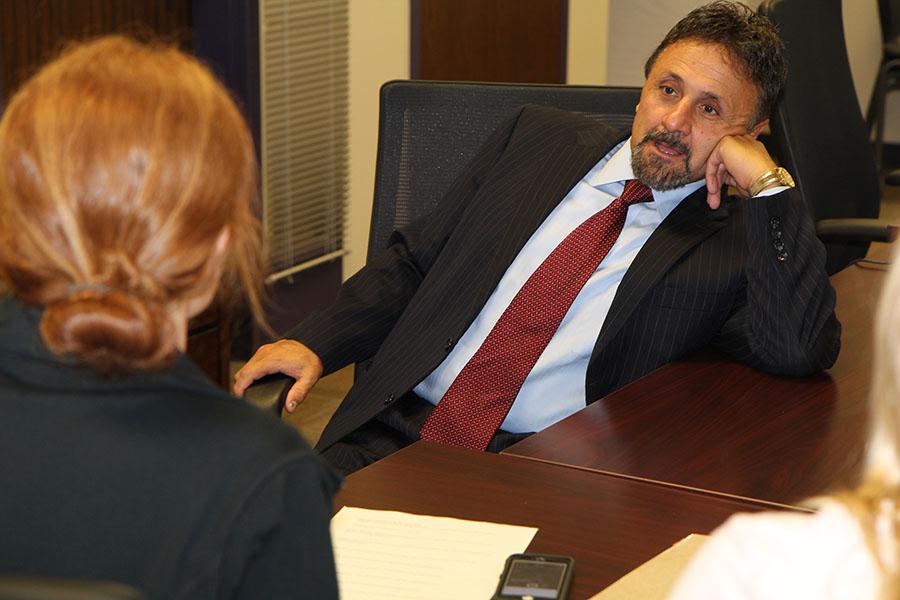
668 90
709 110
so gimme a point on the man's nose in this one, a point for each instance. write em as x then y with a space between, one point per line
678 118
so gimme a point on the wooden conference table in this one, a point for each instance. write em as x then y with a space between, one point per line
713 424
609 525
673 453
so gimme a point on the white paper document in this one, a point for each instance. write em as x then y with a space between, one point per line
388 555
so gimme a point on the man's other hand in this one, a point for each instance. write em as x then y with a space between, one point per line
284 356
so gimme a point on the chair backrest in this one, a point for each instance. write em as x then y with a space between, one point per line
429 130
889 16
818 131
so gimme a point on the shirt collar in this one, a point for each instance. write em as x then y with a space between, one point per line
614 169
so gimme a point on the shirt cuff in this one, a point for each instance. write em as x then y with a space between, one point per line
772 191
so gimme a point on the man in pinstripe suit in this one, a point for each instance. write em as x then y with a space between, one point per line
693 268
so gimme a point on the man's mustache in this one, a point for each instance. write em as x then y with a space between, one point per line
669 138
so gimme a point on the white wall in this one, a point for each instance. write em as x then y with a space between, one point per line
863 33
379 52
635 28
587 38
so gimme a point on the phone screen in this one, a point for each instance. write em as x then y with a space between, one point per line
538 579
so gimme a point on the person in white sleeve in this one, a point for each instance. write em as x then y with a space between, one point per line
846 550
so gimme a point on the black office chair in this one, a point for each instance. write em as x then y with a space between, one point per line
818 132
429 130
39 588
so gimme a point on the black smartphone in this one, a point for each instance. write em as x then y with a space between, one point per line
537 576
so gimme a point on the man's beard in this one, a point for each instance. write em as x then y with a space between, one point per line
656 172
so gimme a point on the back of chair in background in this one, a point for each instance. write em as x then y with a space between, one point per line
430 130
818 132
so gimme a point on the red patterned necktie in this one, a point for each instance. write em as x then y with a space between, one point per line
475 405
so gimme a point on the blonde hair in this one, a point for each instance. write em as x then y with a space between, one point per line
876 501
120 165
883 453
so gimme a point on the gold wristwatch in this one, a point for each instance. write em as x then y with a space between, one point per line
775 177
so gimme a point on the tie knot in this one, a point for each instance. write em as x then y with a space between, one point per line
635 192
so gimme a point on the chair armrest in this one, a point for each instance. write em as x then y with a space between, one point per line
892 178
858 230
268 393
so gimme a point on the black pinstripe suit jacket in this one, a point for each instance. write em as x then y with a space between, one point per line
704 278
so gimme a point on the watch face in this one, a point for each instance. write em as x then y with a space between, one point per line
784 176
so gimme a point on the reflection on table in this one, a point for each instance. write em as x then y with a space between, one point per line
609 525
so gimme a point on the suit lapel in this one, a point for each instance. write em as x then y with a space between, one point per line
530 194
690 223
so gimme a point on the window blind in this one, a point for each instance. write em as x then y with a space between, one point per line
303 113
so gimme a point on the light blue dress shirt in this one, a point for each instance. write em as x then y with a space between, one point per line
555 387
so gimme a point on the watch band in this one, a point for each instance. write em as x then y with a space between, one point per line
771 178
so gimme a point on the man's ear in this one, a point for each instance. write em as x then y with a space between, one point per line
757 129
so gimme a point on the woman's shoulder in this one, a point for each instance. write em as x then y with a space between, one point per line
227 437
231 424
784 555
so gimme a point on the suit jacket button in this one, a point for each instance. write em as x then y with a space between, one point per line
775 222
448 345
779 245
389 399
782 256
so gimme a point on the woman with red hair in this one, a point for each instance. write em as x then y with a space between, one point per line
127 177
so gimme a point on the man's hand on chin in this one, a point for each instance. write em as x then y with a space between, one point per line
738 161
